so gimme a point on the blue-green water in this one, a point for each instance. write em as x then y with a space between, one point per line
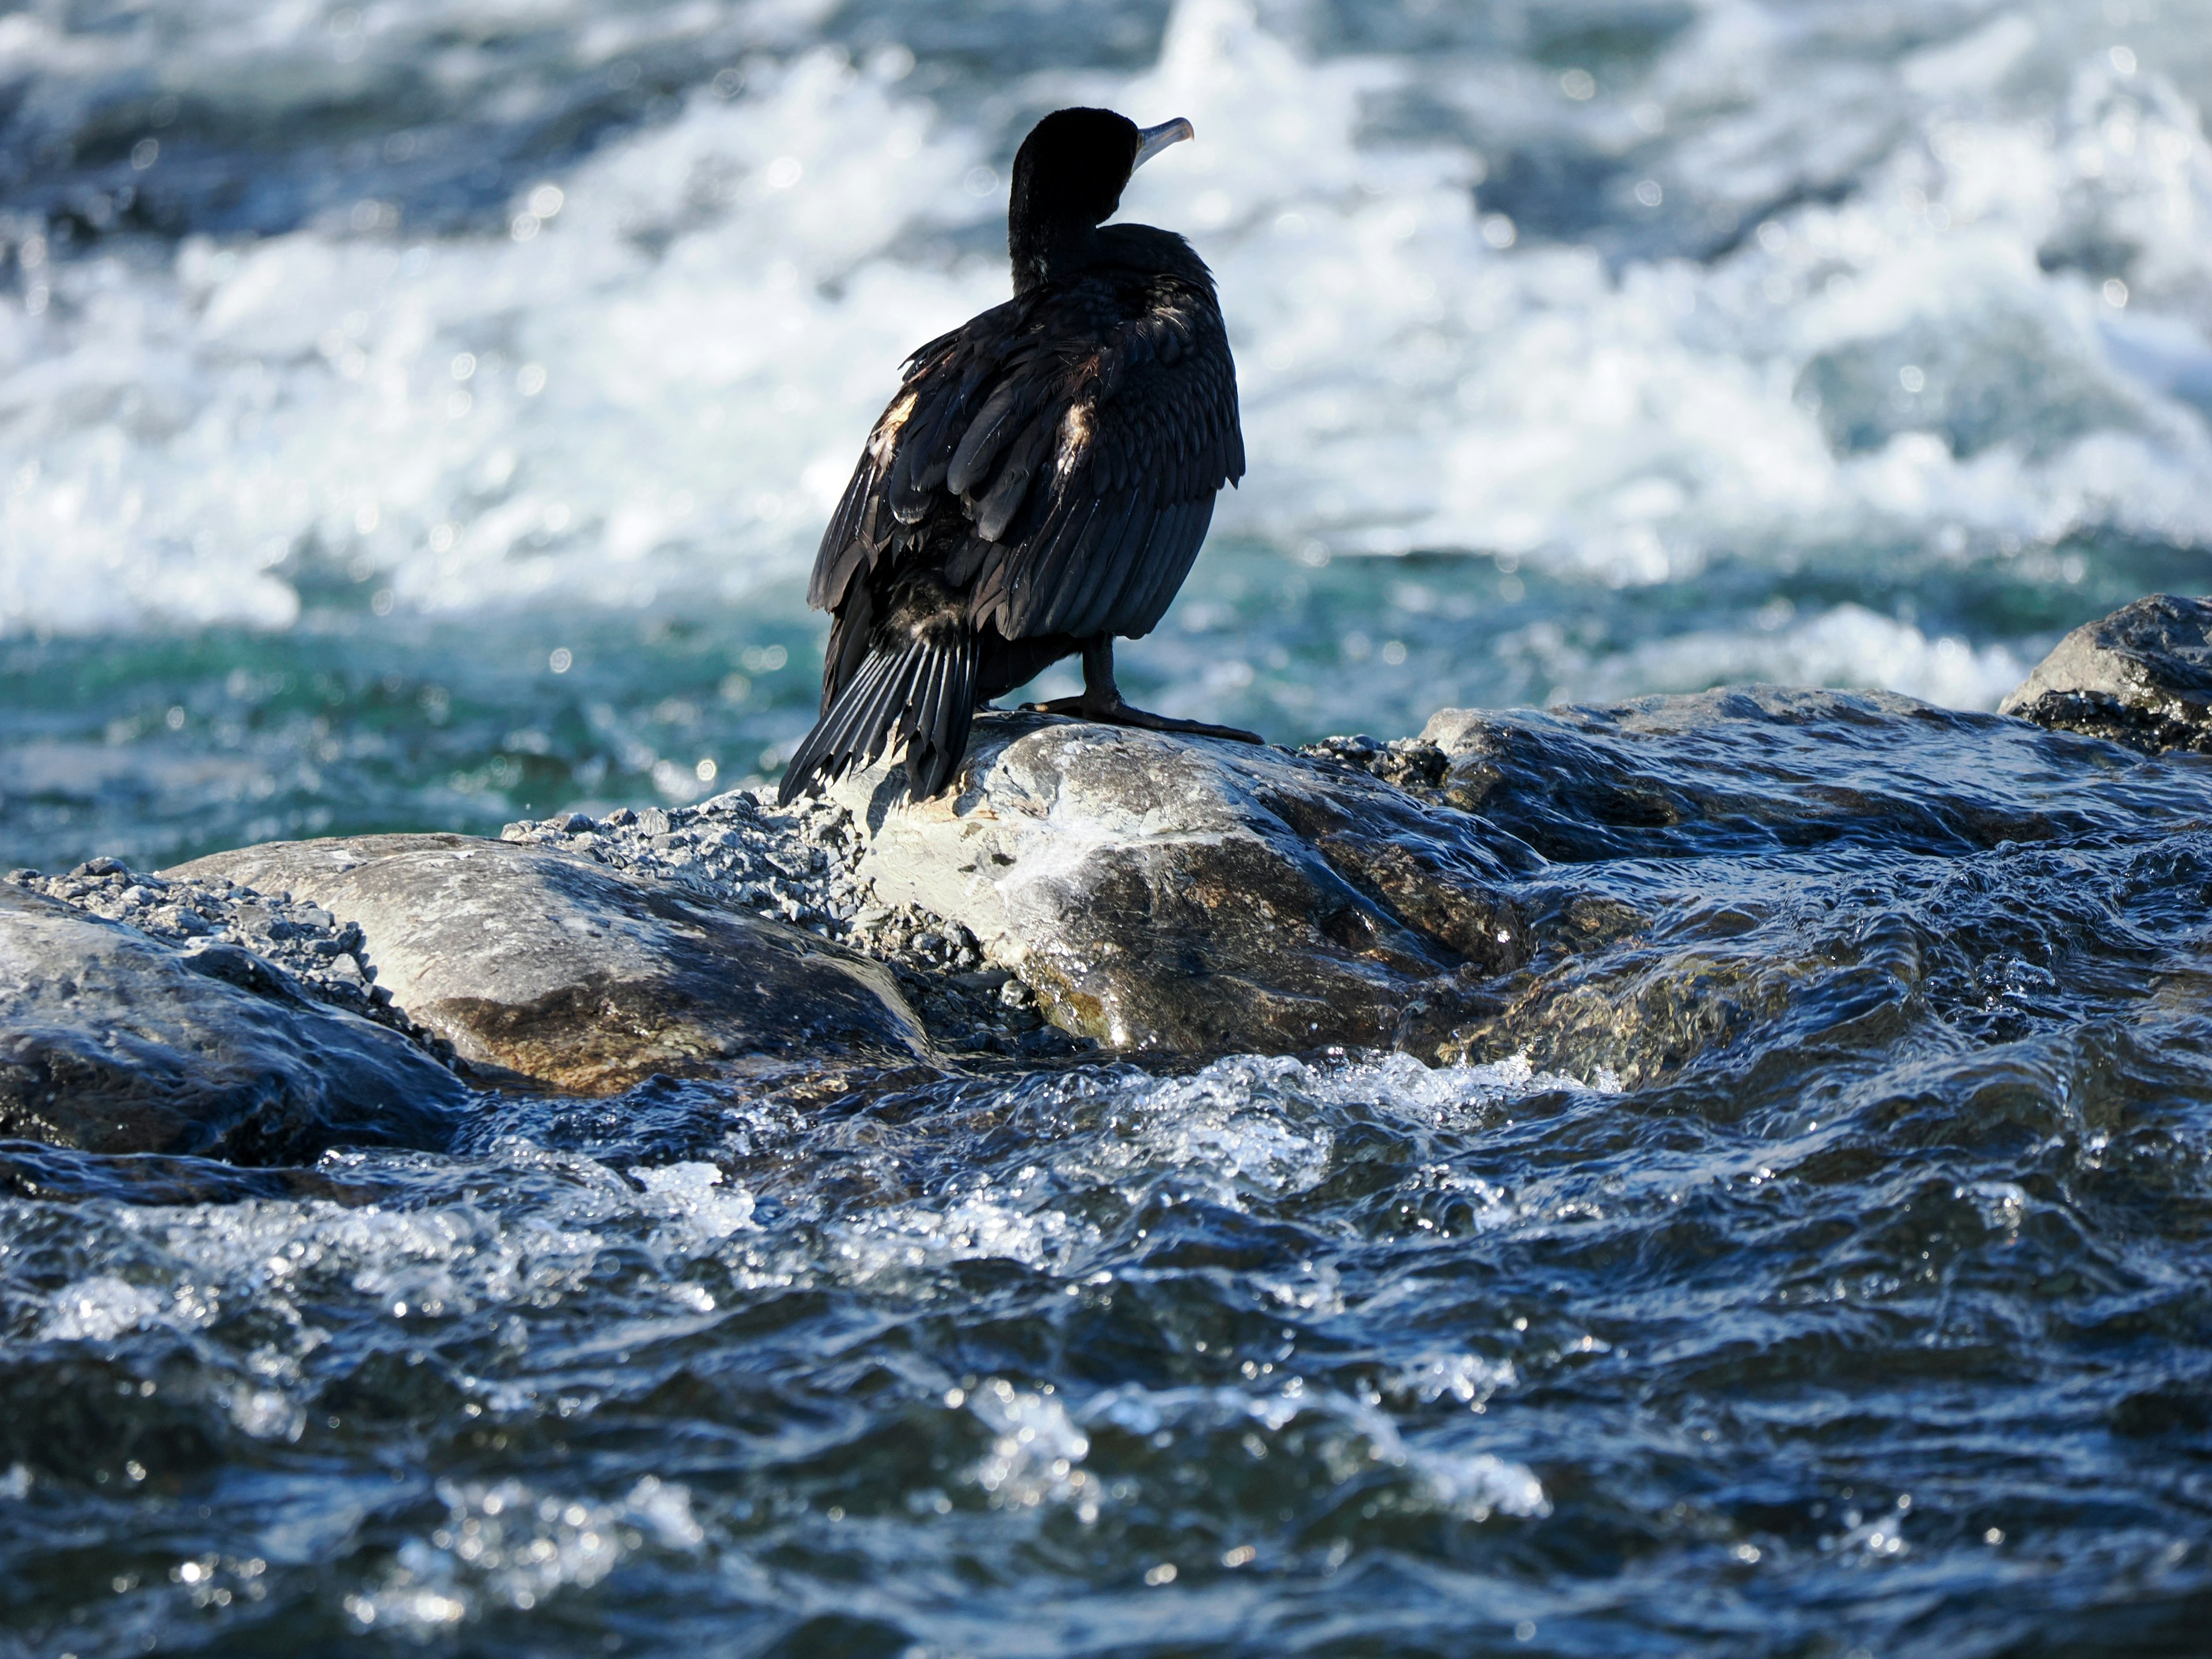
158 747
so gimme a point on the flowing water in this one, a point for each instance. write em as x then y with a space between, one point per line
419 414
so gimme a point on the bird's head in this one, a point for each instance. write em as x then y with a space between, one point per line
1068 178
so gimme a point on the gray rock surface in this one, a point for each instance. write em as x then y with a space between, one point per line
2141 676
800 865
1157 892
114 1042
306 945
547 969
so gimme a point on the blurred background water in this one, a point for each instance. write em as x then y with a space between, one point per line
418 413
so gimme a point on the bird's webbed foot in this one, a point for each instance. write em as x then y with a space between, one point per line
1101 701
1112 711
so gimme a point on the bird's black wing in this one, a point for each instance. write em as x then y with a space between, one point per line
1082 438
1092 491
944 383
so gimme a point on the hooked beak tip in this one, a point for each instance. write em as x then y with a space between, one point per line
1157 138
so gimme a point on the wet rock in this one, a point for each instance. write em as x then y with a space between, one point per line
2140 676
1617 892
113 1042
800 865
549 969
1703 849
304 944
1155 892
1744 769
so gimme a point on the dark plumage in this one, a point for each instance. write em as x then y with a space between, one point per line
1042 482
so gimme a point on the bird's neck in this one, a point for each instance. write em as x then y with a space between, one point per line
1045 251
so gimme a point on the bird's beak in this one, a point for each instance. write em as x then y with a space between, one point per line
1159 137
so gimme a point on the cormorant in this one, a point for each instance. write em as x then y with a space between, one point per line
1041 483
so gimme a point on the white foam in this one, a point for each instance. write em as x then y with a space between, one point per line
671 374
1346 1436
693 1196
1232 1125
513 1544
1036 1451
1466 1377
1478 1485
1847 645
99 1309
982 1223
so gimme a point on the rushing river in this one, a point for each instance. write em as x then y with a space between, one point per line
415 414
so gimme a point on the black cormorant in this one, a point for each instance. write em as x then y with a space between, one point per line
1042 482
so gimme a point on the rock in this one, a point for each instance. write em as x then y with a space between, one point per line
558 973
1743 768
798 864
303 942
1604 892
1712 855
2140 676
1159 892
113 1042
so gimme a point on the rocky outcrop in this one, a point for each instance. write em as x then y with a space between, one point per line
112 1041
1619 893
2140 676
546 971
800 865
1157 892
301 944
1613 891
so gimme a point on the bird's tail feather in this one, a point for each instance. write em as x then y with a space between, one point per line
921 693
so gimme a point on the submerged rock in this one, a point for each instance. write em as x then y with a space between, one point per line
546 969
1715 860
1742 769
2140 676
114 1042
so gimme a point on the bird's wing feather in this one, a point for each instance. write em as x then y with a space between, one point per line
1141 422
1083 438
892 484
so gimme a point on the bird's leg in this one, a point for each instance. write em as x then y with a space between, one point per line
1102 701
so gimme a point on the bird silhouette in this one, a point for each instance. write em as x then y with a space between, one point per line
1042 482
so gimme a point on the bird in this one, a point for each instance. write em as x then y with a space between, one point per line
1041 483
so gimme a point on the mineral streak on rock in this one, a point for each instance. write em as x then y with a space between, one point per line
112 1041
2141 676
549 970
